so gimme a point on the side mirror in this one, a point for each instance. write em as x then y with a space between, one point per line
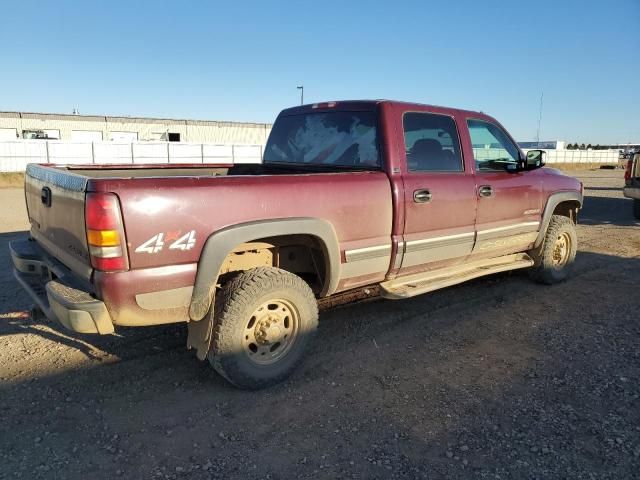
534 159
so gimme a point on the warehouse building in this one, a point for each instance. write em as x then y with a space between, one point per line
94 128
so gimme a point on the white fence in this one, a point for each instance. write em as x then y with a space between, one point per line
581 156
15 155
557 156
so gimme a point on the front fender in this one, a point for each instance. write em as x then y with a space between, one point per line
553 201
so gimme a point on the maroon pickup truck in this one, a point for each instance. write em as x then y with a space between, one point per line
403 197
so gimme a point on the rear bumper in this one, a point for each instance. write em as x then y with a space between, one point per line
62 300
632 192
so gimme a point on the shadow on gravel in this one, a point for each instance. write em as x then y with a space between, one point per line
607 211
15 320
135 341
604 189
498 376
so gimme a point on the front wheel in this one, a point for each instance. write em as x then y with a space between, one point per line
264 320
554 258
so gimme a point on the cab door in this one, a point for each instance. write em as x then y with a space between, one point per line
509 201
439 195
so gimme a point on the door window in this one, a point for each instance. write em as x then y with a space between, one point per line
492 148
431 143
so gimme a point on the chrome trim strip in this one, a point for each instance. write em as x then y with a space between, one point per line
507 231
435 242
517 226
367 253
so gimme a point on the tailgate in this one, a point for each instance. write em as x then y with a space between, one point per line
55 203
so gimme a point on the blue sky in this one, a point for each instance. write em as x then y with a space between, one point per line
241 60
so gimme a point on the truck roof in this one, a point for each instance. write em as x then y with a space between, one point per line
369 105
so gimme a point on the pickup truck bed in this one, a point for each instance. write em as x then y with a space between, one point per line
165 273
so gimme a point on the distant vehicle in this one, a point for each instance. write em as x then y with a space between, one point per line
351 195
632 183
34 135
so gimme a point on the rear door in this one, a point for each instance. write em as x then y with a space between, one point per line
55 203
439 194
509 202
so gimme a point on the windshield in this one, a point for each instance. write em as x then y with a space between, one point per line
325 138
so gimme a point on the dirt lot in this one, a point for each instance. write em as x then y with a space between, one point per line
497 378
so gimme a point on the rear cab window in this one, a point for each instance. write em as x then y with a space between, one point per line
431 143
337 138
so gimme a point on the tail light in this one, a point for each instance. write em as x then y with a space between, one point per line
105 232
627 170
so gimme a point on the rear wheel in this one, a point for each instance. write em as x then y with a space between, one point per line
554 258
264 320
636 208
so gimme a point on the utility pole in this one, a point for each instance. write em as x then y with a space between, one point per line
301 88
539 120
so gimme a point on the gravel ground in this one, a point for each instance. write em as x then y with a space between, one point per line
496 378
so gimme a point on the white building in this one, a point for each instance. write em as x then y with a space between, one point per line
94 128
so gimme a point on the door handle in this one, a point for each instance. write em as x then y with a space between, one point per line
485 191
422 196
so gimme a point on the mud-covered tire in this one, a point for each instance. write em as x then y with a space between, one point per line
552 263
636 208
240 314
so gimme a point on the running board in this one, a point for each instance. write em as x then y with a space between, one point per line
405 287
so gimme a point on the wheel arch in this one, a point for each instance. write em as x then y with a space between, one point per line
222 242
559 203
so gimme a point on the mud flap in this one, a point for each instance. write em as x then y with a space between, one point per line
199 336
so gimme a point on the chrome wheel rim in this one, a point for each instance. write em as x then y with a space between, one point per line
561 250
270 331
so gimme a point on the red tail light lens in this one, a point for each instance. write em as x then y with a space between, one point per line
105 232
117 264
103 211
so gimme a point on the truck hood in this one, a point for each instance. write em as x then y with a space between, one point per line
554 171
558 180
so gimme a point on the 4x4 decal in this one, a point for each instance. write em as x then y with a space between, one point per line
181 242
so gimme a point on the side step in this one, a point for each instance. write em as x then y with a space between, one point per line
417 284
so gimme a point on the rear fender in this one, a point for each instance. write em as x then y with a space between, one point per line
222 242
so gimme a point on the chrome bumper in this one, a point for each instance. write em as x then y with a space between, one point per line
73 308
